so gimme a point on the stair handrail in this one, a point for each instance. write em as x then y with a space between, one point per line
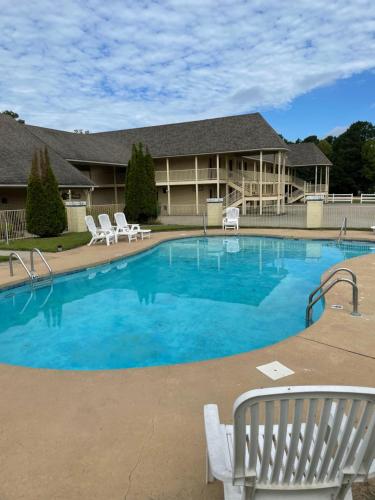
343 229
32 267
355 312
330 276
18 257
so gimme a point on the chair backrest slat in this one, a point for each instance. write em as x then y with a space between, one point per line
307 439
105 222
354 456
294 440
332 440
254 432
267 447
347 432
319 440
281 441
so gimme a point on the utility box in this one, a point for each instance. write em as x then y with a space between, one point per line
75 213
214 211
314 214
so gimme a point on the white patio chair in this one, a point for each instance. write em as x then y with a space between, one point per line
232 215
106 225
98 234
123 228
314 441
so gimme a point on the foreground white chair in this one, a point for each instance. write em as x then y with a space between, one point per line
106 225
124 228
315 441
98 234
232 215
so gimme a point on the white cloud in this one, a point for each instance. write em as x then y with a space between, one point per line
336 131
117 64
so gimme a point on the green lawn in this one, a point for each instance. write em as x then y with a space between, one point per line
73 240
68 241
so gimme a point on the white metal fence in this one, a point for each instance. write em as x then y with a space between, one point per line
13 225
359 216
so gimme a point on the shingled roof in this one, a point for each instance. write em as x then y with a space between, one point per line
243 133
17 146
306 154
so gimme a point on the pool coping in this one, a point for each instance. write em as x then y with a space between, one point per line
97 434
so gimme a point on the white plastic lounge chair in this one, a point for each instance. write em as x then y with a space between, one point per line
232 215
314 441
106 225
123 228
98 234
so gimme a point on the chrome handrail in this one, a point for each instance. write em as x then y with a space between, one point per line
331 275
18 257
325 290
343 229
32 268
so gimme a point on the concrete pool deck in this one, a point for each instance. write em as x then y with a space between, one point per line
138 433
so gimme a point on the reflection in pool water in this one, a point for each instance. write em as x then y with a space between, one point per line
184 300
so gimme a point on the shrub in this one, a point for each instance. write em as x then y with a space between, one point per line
45 210
140 189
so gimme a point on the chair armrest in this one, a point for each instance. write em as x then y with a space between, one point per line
216 443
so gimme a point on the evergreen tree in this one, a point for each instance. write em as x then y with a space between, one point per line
45 210
35 200
55 208
140 189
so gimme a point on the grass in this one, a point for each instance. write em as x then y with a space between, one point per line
73 240
67 241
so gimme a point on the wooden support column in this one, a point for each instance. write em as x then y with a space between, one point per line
283 184
316 178
168 187
226 173
278 182
243 189
320 179
273 173
196 186
261 183
217 176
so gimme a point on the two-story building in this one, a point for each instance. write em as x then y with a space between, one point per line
239 158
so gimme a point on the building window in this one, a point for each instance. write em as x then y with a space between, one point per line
4 201
231 165
165 190
245 165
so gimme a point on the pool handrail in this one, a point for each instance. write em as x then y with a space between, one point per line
19 258
354 312
331 275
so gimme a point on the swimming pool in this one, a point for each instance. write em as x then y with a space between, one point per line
184 300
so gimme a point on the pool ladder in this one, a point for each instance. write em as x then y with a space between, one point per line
35 280
343 229
323 290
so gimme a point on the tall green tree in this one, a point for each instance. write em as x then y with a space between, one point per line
55 208
368 160
45 210
35 199
347 172
140 189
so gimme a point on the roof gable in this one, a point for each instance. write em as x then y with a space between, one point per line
17 146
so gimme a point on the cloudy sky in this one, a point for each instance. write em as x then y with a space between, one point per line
308 66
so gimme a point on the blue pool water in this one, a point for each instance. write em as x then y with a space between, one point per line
185 300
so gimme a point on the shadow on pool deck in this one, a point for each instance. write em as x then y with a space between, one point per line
138 433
